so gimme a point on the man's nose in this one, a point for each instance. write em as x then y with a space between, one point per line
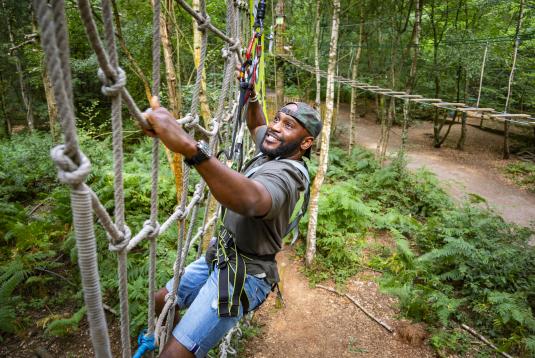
275 126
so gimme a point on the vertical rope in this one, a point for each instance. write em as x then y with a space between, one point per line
117 142
482 72
73 167
156 44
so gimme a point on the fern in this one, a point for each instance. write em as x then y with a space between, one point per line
64 326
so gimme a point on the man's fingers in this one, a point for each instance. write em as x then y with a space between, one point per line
154 102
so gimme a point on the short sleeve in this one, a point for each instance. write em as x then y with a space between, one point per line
283 184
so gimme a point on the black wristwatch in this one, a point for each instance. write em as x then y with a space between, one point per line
203 153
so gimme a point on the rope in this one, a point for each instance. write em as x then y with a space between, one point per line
74 167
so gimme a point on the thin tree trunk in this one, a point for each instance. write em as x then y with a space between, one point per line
317 55
7 121
206 114
354 76
131 60
26 99
175 159
51 105
415 44
511 77
324 154
279 50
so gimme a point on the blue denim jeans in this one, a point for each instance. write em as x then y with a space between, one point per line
201 328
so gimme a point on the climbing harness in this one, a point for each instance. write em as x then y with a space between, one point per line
231 261
249 75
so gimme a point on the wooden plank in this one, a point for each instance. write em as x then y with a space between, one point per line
510 115
476 109
454 104
427 100
395 93
409 96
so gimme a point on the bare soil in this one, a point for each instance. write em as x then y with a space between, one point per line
478 169
317 323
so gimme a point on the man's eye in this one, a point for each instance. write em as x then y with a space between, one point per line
288 125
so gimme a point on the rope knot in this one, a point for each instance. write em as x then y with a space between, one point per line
68 171
203 25
112 89
226 54
119 244
235 46
153 229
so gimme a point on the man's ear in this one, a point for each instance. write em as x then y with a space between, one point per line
307 143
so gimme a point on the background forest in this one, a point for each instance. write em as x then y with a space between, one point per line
449 263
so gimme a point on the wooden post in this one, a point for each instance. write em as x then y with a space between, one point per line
481 81
460 143
506 152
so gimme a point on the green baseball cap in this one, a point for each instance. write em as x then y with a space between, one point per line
306 115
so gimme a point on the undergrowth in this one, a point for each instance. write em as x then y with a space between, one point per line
38 252
522 173
446 263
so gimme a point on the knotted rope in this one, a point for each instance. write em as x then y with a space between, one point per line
74 167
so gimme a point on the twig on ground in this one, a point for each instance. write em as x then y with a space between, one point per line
484 340
385 326
109 309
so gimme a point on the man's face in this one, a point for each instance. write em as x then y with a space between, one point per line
284 135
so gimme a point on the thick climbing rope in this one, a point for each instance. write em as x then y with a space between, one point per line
73 166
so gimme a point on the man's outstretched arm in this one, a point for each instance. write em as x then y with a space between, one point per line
232 189
254 116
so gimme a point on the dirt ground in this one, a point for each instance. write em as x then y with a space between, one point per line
477 169
318 323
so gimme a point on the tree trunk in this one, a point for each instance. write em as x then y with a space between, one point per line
279 50
51 105
354 75
175 159
460 143
317 55
506 152
324 154
197 38
26 99
415 44
7 121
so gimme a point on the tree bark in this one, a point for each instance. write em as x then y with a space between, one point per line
7 120
324 153
317 55
206 114
354 76
26 98
415 45
279 50
51 105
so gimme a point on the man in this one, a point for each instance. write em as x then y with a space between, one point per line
258 209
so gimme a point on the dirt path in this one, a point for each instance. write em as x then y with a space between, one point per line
318 323
476 170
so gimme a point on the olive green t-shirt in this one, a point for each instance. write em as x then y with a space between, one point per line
259 236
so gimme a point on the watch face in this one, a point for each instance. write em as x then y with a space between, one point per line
204 147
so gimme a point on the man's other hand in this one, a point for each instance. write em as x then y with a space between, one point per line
165 126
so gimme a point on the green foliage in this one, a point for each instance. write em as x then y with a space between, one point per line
64 326
522 173
449 263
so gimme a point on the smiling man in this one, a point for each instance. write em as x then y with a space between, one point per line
239 268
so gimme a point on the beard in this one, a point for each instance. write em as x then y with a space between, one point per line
284 149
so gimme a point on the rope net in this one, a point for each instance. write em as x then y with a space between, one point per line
74 167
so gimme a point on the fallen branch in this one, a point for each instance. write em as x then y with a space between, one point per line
385 326
484 340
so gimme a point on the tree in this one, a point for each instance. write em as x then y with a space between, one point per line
325 139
